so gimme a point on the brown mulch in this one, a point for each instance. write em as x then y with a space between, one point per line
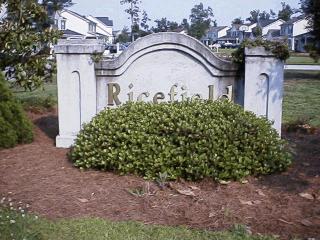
40 175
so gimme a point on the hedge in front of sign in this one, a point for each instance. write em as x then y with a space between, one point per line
15 127
189 140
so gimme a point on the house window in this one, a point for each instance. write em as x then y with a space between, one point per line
56 22
92 27
63 24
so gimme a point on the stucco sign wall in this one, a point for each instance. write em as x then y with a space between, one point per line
163 67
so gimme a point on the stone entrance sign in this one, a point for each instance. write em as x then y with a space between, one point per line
163 67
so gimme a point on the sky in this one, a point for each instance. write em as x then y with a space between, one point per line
175 10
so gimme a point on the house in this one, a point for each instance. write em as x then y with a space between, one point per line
104 26
273 35
297 33
269 24
213 34
74 25
237 33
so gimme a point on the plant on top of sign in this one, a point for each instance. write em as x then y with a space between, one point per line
279 49
190 140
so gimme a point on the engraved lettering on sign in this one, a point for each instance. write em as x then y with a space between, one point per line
113 92
158 96
176 93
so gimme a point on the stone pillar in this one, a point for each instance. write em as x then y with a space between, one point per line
76 81
263 90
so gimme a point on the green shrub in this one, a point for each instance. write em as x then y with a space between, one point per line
38 103
189 140
279 49
15 127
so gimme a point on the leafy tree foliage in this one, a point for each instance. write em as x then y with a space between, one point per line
124 36
237 21
54 5
164 25
144 21
256 15
273 15
15 127
133 10
201 19
312 10
25 39
257 31
286 12
264 15
185 24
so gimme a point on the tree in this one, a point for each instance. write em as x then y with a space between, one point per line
237 21
254 16
273 15
144 21
133 10
311 9
25 39
52 6
124 36
164 25
185 24
264 15
257 31
201 20
286 12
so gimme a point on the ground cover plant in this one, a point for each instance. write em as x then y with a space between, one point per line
15 127
20 225
190 140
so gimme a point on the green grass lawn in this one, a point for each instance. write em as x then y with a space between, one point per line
302 99
295 58
14 225
49 89
45 97
301 59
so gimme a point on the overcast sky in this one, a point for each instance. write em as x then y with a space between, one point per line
224 10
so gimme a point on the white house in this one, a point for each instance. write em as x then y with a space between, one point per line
75 25
294 30
271 24
237 33
104 26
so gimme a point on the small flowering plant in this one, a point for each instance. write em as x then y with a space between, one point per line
15 223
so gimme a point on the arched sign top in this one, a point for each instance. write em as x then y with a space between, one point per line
169 41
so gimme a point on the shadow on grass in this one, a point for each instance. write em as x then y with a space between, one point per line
297 74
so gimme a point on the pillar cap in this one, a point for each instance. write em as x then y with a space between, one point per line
79 46
257 52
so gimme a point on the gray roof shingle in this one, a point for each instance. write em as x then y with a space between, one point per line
106 21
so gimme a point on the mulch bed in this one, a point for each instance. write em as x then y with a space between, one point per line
40 175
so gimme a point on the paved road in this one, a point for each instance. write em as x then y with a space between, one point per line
302 67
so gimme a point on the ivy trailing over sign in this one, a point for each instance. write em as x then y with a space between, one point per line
279 49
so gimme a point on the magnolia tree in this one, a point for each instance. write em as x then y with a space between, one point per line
26 37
